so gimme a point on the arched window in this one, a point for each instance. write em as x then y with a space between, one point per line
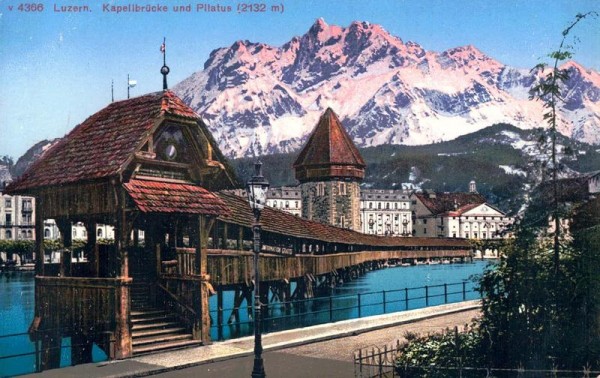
47 233
99 233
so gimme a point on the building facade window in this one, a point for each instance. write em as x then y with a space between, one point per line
320 189
99 233
8 202
27 204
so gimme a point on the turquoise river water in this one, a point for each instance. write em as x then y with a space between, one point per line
377 292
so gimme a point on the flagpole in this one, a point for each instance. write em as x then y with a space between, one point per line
127 85
112 91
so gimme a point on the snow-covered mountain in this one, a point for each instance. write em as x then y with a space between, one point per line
259 99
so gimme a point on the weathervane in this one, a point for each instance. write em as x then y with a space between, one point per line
164 70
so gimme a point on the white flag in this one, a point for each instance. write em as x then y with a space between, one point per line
132 83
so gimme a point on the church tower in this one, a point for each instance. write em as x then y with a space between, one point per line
330 169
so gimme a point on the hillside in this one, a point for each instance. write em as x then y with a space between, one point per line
502 159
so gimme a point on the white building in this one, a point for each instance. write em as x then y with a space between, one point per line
17 215
286 198
458 215
385 212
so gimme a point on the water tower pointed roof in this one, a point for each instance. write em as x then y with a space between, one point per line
329 153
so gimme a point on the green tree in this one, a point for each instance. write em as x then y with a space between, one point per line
550 90
540 305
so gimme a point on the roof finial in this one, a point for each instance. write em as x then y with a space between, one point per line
164 69
130 84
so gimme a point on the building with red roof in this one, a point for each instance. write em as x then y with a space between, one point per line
457 215
330 169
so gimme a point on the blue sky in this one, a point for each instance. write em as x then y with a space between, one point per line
56 68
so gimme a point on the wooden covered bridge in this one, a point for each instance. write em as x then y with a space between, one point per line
149 164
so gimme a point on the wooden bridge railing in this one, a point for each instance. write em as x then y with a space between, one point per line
96 307
234 267
180 286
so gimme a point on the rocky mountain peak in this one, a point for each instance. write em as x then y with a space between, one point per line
254 94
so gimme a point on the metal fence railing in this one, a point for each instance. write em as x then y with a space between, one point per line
374 362
280 316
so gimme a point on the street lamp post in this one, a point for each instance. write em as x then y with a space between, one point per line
257 197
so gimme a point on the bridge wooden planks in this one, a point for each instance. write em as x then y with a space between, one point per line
227 268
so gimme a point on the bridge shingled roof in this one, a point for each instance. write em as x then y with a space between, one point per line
163 197
282 223
102 144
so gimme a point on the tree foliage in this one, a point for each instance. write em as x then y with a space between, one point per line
541 302
448 349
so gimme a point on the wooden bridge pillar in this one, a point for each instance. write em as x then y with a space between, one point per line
50 353
201 330
81 349
242 292
240 238
91 250
123 343
64 226
225 236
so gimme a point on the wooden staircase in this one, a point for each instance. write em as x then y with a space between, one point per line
155 329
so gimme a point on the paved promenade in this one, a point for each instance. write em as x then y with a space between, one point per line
287 352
